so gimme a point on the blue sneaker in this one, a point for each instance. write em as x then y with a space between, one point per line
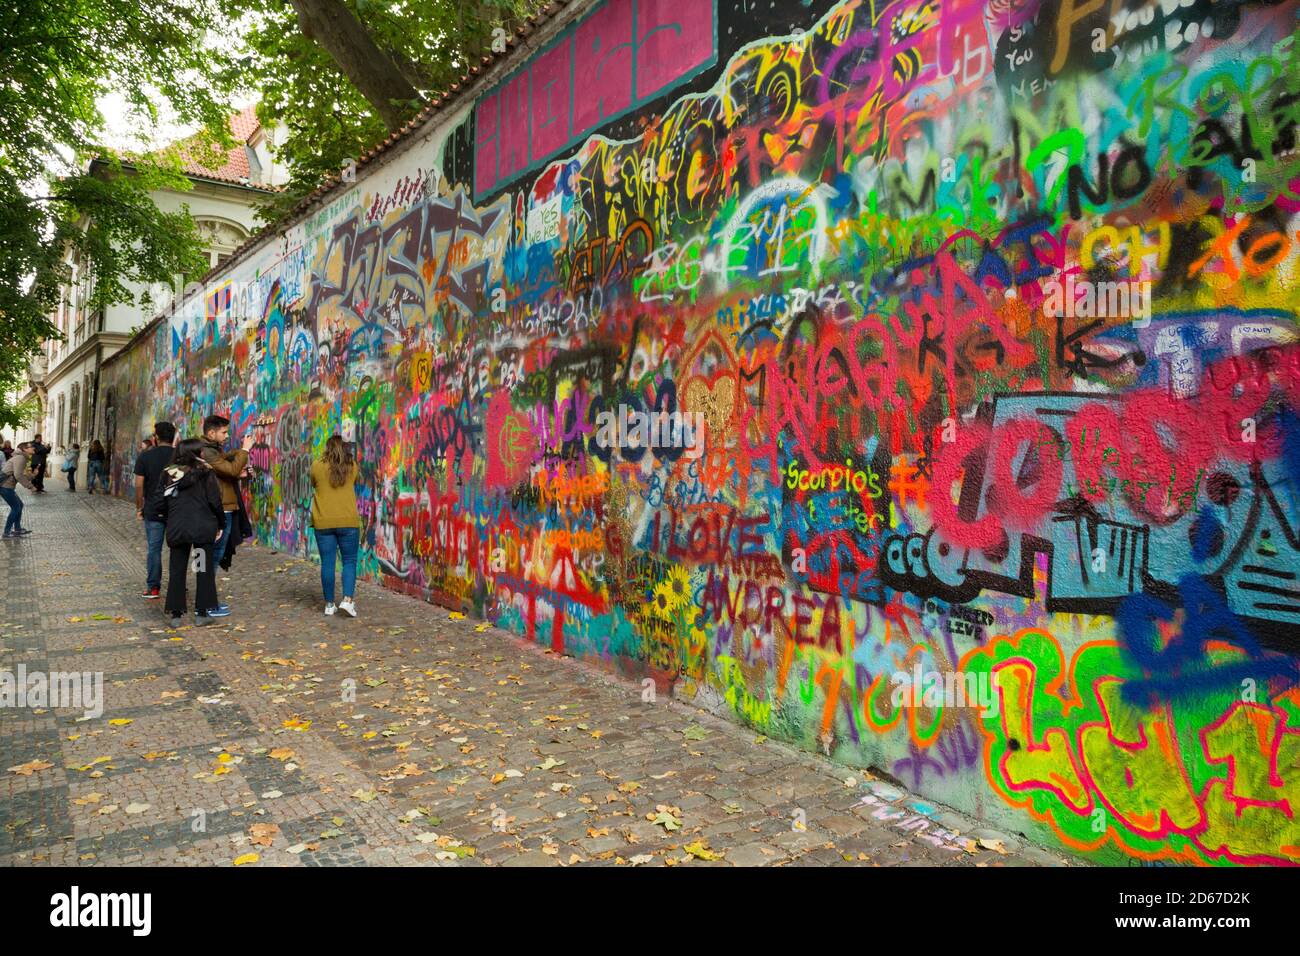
221 610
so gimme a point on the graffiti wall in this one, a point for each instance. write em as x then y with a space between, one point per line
914 381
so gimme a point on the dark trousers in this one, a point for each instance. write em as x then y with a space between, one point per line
72 479
205 586
38 477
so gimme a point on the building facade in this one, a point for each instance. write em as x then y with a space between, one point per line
63 378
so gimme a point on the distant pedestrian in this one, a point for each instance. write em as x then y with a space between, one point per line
336 521
40 458
12 473
96 467
192 513
228 466
145 445
8 449
71 459
149 468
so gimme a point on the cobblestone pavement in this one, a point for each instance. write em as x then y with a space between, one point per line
462 745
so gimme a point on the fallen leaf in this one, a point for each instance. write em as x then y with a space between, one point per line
550 763
281 753
31 767
247 858
263 834
695 732
137 807
701 852
667 817
120 721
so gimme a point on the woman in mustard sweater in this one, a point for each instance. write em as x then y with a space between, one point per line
336 521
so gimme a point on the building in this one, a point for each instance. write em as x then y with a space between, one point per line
63 378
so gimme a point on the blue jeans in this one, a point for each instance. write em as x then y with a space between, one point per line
331 541
14 521
153 534
96 470
219 549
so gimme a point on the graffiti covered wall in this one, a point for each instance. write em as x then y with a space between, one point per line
915 381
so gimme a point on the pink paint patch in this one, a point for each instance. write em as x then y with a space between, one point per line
511 446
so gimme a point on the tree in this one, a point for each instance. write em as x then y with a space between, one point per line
340 75
57 58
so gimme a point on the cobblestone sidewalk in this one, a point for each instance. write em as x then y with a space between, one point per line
461 746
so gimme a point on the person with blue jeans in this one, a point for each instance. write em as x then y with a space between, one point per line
337 524
96 467
149 468
12 474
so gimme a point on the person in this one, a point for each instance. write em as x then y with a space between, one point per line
335 519
8 449
145 444
192 515
40 456
228 467
70 461
149 468
13 473
96 467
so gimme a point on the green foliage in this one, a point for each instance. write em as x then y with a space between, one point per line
325 120
58 57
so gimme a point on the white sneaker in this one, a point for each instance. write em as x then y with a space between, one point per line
347 605
329 610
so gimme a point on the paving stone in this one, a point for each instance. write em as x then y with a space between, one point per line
251 715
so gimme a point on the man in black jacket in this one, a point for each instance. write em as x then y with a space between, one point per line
228 467
40 455
148 474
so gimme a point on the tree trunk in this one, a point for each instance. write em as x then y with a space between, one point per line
354 50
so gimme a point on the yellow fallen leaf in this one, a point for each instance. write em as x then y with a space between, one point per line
456 616
281 753
120 721
701 852
246 858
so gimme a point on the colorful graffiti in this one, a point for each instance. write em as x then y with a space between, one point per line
987 315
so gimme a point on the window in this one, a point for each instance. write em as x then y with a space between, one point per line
87 393
221 237
74 404
59 435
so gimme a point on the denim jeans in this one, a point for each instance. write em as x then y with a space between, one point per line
14 521
331 541
95 470
219 549
153 535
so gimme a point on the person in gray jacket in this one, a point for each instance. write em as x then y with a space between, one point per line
12 473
